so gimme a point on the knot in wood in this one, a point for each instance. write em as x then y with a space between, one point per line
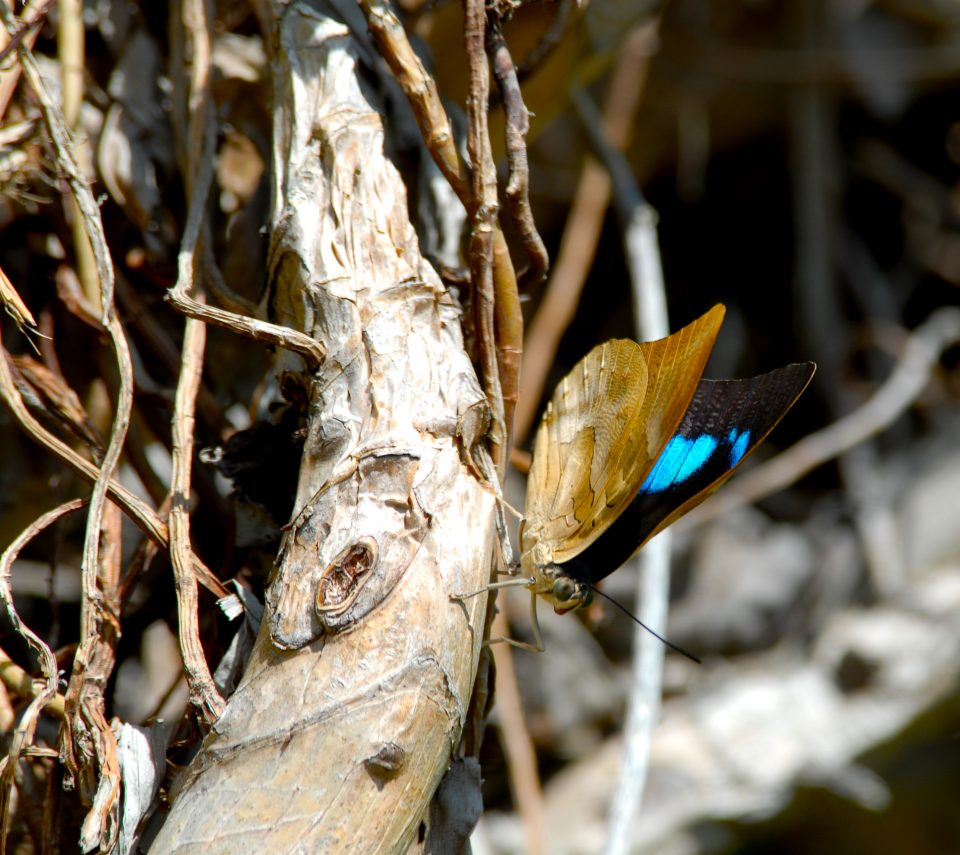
343 577
387 762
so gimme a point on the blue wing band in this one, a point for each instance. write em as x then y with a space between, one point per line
725 421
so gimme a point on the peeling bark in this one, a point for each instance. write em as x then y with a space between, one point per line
354 699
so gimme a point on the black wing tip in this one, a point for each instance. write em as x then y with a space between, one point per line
803 372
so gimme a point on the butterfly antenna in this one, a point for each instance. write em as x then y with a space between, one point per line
675 647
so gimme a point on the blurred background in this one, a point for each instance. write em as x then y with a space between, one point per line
803 159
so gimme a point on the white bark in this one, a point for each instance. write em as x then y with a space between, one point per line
348 715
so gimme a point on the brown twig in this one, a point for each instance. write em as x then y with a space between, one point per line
421 91
203 691
580 236
21 683
46 697
312 351
89 747
517 127
508 318
141 514
517 744
548 41
508 323
483 217
201 140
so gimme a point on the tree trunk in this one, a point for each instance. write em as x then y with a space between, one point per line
354 699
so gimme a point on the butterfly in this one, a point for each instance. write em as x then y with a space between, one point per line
631 440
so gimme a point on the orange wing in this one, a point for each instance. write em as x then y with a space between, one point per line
606 424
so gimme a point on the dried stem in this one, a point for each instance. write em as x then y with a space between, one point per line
70 47
517 127
21 683
483 216
46 697
203 692
312 351
549 40
144 516
517 743
201 139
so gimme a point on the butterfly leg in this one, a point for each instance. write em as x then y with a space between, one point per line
526 581
534 626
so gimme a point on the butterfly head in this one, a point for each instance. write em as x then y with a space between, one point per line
552 581
563 592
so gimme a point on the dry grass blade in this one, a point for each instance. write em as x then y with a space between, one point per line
49 392
15 307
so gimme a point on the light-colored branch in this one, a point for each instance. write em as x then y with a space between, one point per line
642 252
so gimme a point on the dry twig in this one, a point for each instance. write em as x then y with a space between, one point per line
144 516
201 138
47 697
517 127
517 743
483 217
580 234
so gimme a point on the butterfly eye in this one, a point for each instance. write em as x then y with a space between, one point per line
564 589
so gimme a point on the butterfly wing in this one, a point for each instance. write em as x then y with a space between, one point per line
725 422
606 424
